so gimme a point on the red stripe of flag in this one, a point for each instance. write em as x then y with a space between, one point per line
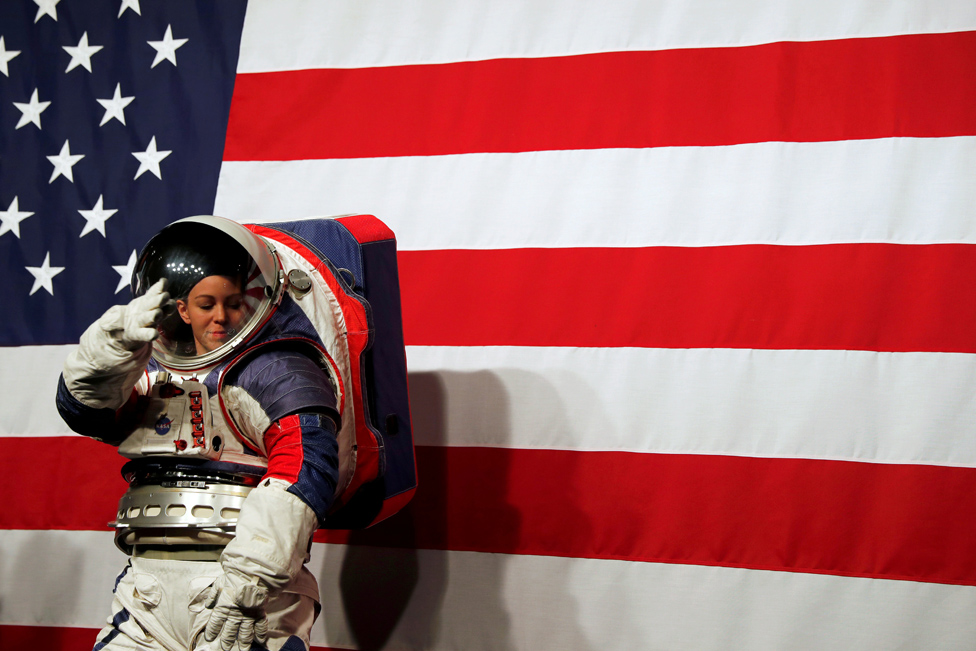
881 297
921 85
891 521
81 486
63 638
857 519
48 637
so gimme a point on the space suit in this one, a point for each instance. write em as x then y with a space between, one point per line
235 435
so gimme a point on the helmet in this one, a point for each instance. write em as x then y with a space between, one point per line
191 250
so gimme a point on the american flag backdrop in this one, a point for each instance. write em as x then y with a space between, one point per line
689 294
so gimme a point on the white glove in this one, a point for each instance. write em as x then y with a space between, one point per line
238 617
142 314
113 351
267 552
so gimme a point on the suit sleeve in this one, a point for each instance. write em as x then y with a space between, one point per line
301 443
100 423
96 390
279 515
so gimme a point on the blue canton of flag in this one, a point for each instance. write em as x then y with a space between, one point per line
112 122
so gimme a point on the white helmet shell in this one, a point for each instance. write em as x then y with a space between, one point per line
191 249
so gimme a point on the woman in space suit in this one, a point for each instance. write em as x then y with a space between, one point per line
231 435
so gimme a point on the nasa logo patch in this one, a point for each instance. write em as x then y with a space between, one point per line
163 425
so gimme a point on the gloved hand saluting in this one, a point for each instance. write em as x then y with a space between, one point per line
238 617
113 351
142 314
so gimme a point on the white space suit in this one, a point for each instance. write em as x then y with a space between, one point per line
232 438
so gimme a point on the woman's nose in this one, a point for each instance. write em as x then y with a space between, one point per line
220 314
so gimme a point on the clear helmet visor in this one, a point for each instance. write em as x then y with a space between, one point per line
225 282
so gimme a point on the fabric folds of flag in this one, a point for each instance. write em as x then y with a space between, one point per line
688 295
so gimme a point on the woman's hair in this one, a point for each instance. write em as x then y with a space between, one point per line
186 253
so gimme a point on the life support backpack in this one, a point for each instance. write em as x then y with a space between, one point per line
342 275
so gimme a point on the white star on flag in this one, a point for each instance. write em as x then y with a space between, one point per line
5 56
166 48
81 54
46 8
63 163
129 4
96 218
149 159
31 111
125 271
11 217
114 106
43 275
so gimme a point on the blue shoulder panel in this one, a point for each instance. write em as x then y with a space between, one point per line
284 382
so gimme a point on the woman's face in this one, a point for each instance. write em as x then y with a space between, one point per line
214 309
